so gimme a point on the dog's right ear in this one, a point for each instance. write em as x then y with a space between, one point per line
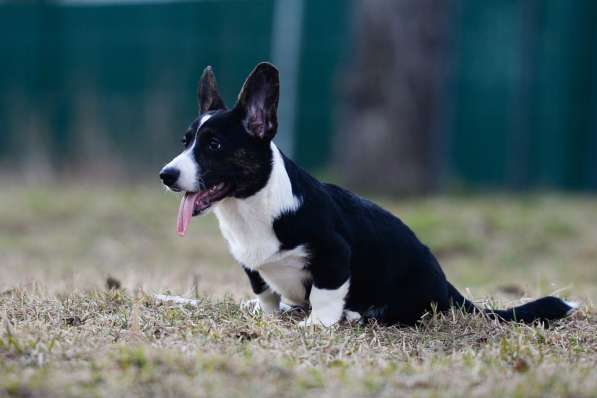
208 97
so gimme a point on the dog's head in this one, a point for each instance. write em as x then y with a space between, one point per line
226 152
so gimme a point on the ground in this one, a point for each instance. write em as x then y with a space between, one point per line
80 266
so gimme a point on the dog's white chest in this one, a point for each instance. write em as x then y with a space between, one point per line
247 226
255 245
251 241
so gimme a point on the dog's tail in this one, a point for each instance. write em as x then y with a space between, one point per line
542 310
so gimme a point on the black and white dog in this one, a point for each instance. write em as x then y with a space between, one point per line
301 241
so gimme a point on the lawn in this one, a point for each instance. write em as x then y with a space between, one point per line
79 268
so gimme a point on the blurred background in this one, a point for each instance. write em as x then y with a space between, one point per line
439 95
473 121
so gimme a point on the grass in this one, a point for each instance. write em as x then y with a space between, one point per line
63 332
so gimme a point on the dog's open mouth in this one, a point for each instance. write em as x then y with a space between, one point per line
195 203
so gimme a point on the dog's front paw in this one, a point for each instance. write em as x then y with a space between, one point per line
269 308
251 306
286 307
307 322
256 306
351 316
268 304
318 321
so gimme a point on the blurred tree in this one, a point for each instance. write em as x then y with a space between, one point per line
385 142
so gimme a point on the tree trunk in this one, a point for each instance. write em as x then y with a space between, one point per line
391 105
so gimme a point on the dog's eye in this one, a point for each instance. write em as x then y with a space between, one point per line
187 139
214 145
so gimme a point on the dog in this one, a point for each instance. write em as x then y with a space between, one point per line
300 241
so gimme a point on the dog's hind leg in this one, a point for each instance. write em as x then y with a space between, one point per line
327 306
331 282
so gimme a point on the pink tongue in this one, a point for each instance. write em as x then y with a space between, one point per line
185 212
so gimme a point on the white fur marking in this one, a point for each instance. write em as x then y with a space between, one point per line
185 163
327 306
247 226
255 305
351 316
203 119
285 274
573 306
269 302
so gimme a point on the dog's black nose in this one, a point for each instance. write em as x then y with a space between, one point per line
169 176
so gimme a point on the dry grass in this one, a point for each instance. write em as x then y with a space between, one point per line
64 333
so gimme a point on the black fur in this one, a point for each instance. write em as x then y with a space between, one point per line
243 161
394 278
257 283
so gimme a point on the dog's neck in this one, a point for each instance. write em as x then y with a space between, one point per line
249 221
269 202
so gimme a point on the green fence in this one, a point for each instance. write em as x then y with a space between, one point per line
116 82
525 94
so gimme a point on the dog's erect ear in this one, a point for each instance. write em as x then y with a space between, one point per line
259 99
208 97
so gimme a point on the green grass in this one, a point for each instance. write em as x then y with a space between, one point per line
63 333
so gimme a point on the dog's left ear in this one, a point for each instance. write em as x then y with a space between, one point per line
259 99
208 97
